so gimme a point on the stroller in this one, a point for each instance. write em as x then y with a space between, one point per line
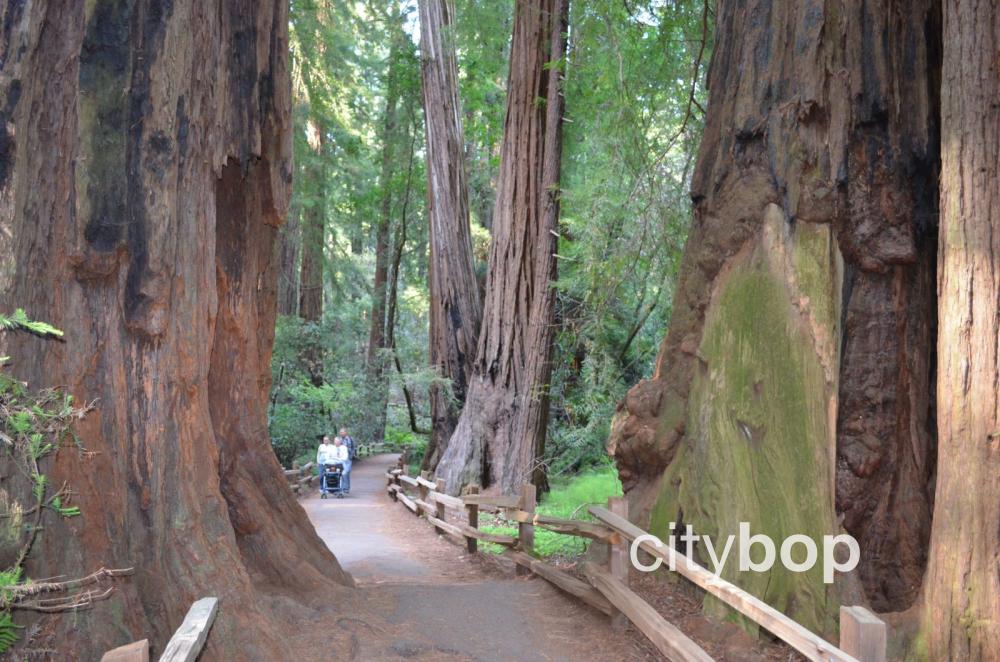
330 480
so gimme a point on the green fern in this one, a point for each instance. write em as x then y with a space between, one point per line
20 321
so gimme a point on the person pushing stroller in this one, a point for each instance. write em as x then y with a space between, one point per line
334 463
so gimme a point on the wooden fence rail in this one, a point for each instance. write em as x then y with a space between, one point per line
863 635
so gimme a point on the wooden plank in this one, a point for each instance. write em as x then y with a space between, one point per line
496 538
425 506
446 527
569 527
423 480
137 651
190 637
862 634
561 580
409 480
798 637
401 495
446 500
293 472
670 641
526 530
499 501
473 513
307 466
396 472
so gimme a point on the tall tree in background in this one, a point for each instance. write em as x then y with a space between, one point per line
375 359
962 594
313 231
145 228
795 384
501 431
455 309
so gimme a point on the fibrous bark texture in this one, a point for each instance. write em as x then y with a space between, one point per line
795 383
501 431
287 255
962 593
147 164
455 309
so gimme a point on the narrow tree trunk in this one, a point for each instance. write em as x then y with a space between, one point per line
501 432
149 177
289 242
794 385
962 595
455 310
313 229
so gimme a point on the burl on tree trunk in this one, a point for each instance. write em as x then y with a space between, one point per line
146 169
794 389
501 431
455 309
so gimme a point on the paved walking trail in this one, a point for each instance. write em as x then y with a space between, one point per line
442 603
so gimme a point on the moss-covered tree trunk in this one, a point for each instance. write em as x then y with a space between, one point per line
962 593
455 309
795 384
501 431
146 161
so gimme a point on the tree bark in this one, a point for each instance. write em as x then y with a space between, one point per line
147 152
794 384
313 238
962 593
289 243
501 432
455 309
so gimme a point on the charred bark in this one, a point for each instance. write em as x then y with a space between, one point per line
962 594
455 309
148 178
794 384
501 432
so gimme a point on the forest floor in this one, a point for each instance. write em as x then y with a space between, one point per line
440 603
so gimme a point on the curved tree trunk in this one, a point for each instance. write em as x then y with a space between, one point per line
148 152
962 595
501 432
455 309
795 383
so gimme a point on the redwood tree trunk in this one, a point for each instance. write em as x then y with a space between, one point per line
289 243
147 157
501 432
962 595
795 383
313 237
455 309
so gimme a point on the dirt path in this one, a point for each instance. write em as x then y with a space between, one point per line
444 604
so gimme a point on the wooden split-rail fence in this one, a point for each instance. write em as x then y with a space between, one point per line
862 634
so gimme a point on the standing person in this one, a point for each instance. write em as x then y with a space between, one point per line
343 456
324 456
352 448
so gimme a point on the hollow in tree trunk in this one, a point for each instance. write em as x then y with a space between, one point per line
455 309
501 432
148 178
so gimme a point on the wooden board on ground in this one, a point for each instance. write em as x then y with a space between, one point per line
190 637
670 641
798 637
561 580
137 651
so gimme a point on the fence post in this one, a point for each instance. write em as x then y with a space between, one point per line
473 510
439 512
526 530
424 491
862 634
618 559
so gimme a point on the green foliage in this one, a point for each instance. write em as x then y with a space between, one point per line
567 499
32 426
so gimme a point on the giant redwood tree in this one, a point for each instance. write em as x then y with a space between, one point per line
501 430
795 387
962 592
455 309
145 151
